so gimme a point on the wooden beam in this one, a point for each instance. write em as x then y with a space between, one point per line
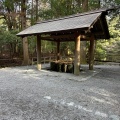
38 52
91 52
77 55
70 37
58 36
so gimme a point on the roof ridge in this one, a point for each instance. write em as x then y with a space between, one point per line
74 15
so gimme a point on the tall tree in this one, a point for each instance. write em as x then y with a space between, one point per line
84 5
36 10
83 43
8 11
25 41
32 12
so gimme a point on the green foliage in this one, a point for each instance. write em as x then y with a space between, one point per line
8 36
9 4
58 9
106 48
32 44
110 3
93 4
65 7
48 47
67 49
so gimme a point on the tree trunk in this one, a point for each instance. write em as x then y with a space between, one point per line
99 4
84 5
19 19
25 41
83 43
32 14
36 10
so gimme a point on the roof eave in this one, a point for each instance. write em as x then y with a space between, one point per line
63 31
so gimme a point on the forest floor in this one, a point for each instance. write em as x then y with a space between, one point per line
29 94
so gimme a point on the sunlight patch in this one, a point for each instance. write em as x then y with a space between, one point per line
47 97
101 114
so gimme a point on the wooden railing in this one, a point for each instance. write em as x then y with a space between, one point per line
48 59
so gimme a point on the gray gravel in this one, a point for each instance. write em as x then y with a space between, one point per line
29 94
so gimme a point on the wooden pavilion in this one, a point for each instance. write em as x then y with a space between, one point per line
88 26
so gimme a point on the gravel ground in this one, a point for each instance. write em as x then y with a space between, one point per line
29 94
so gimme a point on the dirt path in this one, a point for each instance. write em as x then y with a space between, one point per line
28 94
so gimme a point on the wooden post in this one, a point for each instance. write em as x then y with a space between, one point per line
58 50
38 52
91 52
77 56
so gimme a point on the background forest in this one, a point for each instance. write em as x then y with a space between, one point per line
16 15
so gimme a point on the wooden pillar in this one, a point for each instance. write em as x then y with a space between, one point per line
91 52
77 56
58 50
38 52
